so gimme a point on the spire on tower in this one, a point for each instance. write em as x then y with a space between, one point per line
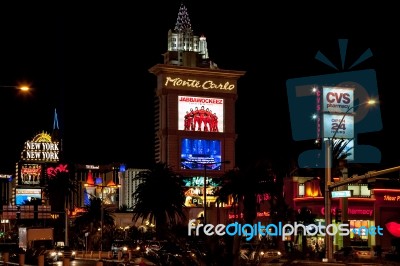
55 121
183 20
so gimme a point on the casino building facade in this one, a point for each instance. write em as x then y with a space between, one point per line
194 115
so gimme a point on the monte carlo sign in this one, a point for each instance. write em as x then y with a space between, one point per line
197 79
41 149
199 84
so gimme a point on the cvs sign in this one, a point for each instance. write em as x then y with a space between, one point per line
337 99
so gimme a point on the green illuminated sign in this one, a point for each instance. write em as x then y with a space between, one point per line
342 193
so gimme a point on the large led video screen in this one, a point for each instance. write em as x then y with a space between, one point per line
200 114
26 195
197 154
31 174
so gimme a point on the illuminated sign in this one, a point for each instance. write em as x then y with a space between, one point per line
198 181
193 83
41 149
53 171
200 114
337 99
90 166
263 197
197 154
259 214
339 125
342 193
359 211
30 174
25 195
5 176
318 118
391 198
394 228
337 120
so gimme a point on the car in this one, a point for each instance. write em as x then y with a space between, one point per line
354 253
268 255
363 253
155 245
125 247
343 254
61 252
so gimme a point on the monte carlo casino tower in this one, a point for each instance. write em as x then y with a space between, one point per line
195 117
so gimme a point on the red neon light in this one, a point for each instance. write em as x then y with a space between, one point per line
52 171
393 228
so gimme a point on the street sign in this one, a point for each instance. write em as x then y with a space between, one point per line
342 193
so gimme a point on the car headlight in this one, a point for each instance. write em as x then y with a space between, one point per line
124 248
73 253
261 253
52 254
279 253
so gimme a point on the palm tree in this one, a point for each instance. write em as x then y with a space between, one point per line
90 222
60 189
159 198
340 152
244 186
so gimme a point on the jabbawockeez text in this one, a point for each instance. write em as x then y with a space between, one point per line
249 231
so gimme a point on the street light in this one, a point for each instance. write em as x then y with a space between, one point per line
328 176
205 183
21 88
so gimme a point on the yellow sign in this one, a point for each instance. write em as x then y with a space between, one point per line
41 149
391 198
192 83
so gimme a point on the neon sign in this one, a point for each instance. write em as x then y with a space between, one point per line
259 214
41 148
391 198
52 171
368 212
197 84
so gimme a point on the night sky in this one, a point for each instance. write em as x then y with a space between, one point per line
90 62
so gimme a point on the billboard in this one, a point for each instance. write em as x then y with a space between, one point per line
337 99
41 149
31 174
338 126
25 195
198 154
200 114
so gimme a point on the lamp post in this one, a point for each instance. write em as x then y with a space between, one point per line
21 88
86 236
328 176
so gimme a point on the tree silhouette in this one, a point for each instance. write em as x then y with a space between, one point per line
159 198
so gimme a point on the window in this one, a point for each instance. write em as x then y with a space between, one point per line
301 190
362 236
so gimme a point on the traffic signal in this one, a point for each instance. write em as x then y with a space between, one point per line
338 215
